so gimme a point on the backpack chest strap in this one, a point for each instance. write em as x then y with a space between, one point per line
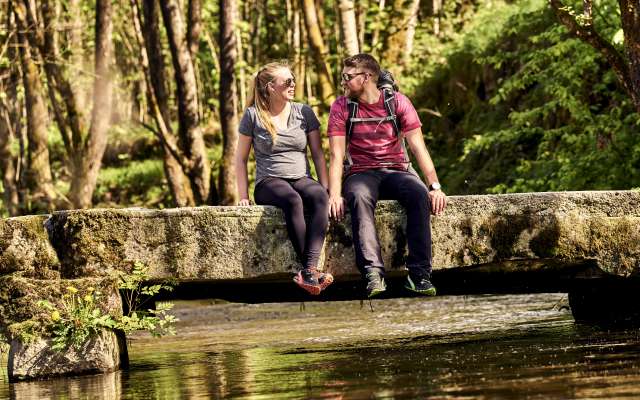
374 119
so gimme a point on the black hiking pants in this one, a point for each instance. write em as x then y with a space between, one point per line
294 196
362 190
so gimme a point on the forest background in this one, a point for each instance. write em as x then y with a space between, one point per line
120 103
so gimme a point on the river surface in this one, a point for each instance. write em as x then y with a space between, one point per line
448 347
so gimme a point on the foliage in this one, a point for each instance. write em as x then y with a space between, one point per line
79 315
77 319
508 100
4 345
540 111
135 293
137 182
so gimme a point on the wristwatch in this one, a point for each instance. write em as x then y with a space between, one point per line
435 186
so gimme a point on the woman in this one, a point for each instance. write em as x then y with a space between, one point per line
280 130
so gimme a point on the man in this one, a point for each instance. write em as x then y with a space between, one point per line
379 168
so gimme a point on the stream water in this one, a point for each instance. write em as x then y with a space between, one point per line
447 347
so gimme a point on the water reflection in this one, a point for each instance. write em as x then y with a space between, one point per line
447 347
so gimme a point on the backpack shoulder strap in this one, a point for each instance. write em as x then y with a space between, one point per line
390 104
352 111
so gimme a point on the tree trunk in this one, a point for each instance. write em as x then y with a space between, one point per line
75 46
627 72
242 77
38 179
194 26
298 55
190 133
152 61
375 36
88 160
361 19
630 16
228 102
393 56
319 52
8 165
411 32
348 27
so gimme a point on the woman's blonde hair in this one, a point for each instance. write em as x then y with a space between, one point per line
259 96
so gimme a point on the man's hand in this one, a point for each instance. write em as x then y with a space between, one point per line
336 207
244 202
438 201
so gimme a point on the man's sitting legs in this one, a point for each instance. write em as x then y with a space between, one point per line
361 192
413 195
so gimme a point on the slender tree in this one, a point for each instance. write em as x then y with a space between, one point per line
190 132
395 54
299 57
627 70
319 51
228 102
153 68
348 27
88 158
38 180
85 147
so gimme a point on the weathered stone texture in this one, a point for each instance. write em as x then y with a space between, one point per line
247 242
25 248
104 352
40 257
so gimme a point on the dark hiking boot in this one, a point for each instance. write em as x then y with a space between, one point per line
420 284
308 280
375 284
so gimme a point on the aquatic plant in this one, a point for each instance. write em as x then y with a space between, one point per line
78 316
135 294
77 319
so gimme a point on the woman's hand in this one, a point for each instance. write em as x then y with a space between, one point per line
244 202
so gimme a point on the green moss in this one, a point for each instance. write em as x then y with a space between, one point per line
25 247
21 316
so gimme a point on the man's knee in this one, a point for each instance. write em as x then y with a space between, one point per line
355 197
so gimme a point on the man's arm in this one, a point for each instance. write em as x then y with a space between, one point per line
419 150
337 145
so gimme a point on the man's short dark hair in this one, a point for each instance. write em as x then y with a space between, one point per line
364 61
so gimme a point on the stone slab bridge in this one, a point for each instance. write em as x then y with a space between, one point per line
584 243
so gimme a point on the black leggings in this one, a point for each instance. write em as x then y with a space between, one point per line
293 196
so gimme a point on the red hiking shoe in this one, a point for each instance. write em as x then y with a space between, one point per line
313 281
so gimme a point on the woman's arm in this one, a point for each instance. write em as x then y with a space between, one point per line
242 180
318 157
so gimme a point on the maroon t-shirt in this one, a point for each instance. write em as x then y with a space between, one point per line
374 144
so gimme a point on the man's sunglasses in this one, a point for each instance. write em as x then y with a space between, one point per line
348 77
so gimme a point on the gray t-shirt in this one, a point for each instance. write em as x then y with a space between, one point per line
288 157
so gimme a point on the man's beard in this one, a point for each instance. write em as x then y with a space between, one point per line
351 93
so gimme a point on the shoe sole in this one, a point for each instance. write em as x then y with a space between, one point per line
328 280
375 293
311 289
429 292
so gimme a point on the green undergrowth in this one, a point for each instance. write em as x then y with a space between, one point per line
517 105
